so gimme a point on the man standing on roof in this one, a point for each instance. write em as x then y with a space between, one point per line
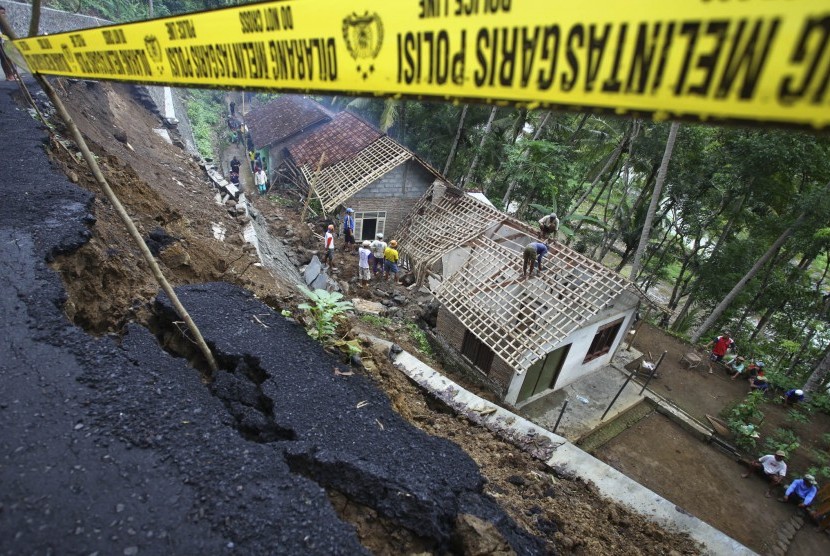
328 246
549 225
378 248
348 229
532 256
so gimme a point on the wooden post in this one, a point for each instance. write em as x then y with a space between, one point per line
311 187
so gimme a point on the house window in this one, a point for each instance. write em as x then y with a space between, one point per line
479 354
603 340
368 224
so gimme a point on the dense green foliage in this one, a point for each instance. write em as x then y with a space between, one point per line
205 109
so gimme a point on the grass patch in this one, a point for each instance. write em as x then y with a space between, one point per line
205 110
375 320
419 338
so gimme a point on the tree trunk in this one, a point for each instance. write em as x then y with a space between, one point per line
536 136
738 288
471 172
655 199
456 140
34 22
819 376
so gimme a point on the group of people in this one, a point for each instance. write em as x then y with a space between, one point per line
260 177
375 258
773 468
753 371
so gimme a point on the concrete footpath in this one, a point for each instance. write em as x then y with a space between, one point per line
561 455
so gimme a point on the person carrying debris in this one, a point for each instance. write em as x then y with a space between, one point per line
549 225
261 180
235 164
771 467
378 248
803 491
532 256
328 246
390 261
363 264
348 229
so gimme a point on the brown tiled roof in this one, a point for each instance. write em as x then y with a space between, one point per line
342 138
283 118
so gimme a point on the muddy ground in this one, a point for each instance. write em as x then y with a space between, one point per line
170 198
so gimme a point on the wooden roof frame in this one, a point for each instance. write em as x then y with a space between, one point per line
520 320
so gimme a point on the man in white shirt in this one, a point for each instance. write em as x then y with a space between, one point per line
261 181
548 225
378 248
328 246
772 467
363 263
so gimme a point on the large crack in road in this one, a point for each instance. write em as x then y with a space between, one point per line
113 445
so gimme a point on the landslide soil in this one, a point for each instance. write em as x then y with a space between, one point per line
171 200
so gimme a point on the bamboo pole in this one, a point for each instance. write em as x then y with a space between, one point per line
311 187
119 208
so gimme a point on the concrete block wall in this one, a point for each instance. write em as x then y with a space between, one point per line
51 21
397 192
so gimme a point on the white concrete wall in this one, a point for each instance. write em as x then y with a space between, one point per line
573 368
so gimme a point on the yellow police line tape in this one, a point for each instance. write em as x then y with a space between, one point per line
734 60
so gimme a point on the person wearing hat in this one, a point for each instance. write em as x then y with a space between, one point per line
772 467
348 228
390 261
378 248
802 490
794 396
758 383
328 246
736 366
363 263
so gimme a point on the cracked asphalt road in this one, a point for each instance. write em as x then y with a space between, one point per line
112 445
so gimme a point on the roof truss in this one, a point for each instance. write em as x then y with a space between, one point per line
336 183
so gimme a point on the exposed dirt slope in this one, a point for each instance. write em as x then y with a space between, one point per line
162 187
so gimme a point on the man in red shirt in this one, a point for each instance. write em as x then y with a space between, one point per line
720 345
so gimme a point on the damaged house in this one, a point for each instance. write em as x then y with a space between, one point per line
526 337
343 160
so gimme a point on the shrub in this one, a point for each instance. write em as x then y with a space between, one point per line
326 309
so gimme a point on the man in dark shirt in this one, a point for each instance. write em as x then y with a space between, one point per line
535 250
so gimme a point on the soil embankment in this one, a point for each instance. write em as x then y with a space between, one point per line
255 444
